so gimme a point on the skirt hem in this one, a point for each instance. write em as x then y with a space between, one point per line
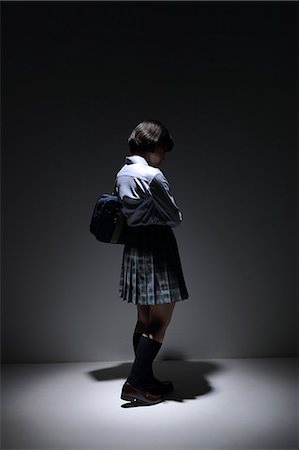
157 303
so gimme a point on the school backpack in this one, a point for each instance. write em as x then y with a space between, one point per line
108 223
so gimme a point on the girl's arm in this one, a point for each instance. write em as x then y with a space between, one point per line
164 201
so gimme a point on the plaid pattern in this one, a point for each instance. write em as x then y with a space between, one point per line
151 271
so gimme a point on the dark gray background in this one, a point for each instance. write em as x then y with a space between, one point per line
76 79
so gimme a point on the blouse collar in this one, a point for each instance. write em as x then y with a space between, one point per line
136 159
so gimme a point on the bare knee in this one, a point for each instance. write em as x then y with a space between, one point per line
142 318
157 330
159 318
141 326
157 326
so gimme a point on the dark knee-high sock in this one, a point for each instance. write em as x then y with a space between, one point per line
150 375
136 337
146 352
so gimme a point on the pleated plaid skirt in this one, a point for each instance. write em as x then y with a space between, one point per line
151 271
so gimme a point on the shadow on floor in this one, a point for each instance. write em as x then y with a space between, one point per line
188 377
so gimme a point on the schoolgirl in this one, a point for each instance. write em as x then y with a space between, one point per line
151 272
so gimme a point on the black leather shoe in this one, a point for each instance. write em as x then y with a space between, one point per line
141 395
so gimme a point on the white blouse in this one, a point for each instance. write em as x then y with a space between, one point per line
145 194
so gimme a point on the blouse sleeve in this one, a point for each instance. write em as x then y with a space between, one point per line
164 200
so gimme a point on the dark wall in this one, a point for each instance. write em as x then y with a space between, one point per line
77 77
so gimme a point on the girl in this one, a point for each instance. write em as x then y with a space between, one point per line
151 272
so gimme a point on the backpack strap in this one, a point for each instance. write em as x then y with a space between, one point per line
114 190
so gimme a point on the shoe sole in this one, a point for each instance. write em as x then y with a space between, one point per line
137 399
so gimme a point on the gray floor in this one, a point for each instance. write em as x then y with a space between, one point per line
217 404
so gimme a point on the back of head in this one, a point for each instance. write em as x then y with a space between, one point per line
147 135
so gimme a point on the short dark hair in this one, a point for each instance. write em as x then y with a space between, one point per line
147 135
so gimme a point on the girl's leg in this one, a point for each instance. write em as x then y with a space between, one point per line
150 329
143 312
141 324
152 321
159 318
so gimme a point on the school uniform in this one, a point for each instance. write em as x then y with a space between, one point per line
151 271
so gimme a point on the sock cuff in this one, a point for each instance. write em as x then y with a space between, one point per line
153 341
